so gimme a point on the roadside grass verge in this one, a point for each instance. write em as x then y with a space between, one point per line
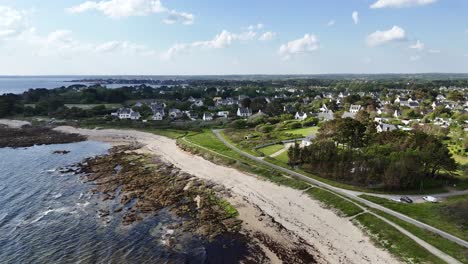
451 248
331 200
394 241
450 215
271 149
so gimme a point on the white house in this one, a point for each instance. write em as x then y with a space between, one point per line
158 115
207 117
224 114
175 113
300 116
127 113
385 127
244 112
355 108
135 115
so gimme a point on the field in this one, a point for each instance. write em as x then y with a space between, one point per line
271 149
303 131
86 106
449 215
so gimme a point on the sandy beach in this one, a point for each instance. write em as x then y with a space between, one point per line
335 238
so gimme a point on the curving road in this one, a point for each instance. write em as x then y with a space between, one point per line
354 195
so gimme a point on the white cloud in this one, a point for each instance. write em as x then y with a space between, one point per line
306 44
255 27
401 3
12 22
418 46
434 51
267 36
220 41
415 58
382 37
355 17
128 8
331 23
184 18
123 46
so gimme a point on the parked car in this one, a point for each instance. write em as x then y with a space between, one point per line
430 199
406 199
396 200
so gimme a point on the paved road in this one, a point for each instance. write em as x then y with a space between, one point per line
347 193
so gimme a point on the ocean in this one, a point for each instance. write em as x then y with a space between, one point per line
50 216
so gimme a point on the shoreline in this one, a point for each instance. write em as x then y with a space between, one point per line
333 239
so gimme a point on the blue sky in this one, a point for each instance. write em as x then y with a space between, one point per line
43 37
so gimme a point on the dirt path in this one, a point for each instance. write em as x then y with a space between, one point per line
336 238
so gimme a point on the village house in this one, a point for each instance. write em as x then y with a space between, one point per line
385 127
175 113
244 112
126 113
355 108
224 114
207 117
158 115
300 116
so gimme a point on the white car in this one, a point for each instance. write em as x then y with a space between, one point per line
430 199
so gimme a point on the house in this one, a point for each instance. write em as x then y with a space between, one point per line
343 94
385 127
397 114
198 103
158 115
355 108
123 113
135 115
300 116
244 112
207 117
326 116
138 104
175 113
224 114
440 98
193 116
324 108
307 141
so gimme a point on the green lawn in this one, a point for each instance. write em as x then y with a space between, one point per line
90 106
283 157
449 215
394 241
303 131
271 149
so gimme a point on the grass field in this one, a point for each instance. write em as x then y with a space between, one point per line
303 131
283 157
90 106
448 215
394 241
271 149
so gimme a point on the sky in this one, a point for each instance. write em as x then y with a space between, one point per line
216 37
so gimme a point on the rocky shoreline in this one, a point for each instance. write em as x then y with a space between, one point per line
28 136
143 184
